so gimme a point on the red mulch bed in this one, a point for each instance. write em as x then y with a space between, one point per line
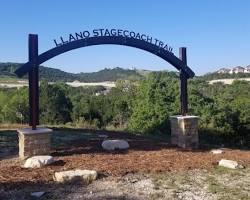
144 156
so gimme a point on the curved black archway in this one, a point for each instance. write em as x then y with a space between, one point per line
35 60
118 40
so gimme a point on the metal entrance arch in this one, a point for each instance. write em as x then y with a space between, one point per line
35 60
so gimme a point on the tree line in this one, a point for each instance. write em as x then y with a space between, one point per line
53 75
141 107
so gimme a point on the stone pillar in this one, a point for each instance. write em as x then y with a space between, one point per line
34 142
184 131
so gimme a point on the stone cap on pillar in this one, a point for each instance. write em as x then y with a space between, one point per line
38 130
184 116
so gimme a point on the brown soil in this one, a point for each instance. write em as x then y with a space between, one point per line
145 155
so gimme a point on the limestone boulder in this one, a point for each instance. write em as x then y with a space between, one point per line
217 151
38 161
229 164
111 145
86 176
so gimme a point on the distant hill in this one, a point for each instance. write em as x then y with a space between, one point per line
109 75
53 75
7 69
215 75
228 73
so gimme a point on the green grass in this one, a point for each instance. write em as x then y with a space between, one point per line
8 139
170 181
219 182
8 143
214 186
225 192
66 137
229 183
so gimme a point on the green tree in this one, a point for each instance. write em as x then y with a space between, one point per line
157 98
16 108
55 106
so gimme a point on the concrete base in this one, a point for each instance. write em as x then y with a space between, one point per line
184 131
34 142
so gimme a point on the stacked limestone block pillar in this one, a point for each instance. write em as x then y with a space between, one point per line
184 131
34 142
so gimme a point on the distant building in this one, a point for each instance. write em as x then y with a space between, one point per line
223 71
247 69
235 70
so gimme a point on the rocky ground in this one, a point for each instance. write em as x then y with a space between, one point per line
213 184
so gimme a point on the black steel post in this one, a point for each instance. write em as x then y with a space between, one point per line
33 81
183 79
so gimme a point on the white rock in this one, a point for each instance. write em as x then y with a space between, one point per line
87 176
114 144
217 151
229 164
37 194
38 161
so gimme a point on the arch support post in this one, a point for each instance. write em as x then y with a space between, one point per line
35 140
184 128
33 81
183 86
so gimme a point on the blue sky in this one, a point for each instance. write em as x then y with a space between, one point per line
215 32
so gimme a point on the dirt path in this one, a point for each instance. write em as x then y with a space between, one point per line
228 80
